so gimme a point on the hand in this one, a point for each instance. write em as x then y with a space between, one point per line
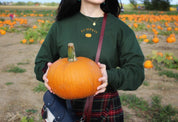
46 79
103 79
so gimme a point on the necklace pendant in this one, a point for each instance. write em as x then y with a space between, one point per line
94 23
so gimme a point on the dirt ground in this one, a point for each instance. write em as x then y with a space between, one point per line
17 98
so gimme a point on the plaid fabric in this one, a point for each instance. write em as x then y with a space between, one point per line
106 108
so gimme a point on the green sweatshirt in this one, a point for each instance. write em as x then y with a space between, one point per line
120 51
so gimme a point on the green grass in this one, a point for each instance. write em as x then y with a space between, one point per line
169 74
31 110
40 88
162 71
162 113
130 10
15 69
146 83
140 27
155 112
133 102
2 19
27 119
9 83
166 33
23 63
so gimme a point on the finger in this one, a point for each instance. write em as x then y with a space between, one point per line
104 79
48 87
101 65
45 75
104 85
100 91
45 78
49 64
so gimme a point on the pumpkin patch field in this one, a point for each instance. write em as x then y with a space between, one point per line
20 39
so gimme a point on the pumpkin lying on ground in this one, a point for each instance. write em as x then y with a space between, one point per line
148 64
159 54
171 38
155 39
2 32
74 78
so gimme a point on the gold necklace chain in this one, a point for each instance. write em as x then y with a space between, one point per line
93 21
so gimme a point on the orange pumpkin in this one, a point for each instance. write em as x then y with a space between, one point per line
169 57
135 25
156 32
159 27
171 38
74 78
148 64
153 26
148 26
159 54
34 27
146 40
31 40
144 36
172 35
169 29
3 32
155 39
24 41
41 42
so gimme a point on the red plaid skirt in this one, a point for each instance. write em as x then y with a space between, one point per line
106 108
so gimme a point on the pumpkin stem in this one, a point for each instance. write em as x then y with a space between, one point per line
71 52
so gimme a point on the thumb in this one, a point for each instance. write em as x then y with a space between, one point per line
49 64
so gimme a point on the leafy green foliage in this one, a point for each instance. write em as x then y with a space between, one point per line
167 33
140 27
167 60
39 33
157 5
134 3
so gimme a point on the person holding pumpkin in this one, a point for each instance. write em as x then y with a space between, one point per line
121 58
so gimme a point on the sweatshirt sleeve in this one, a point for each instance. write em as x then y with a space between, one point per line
130 74
47 53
